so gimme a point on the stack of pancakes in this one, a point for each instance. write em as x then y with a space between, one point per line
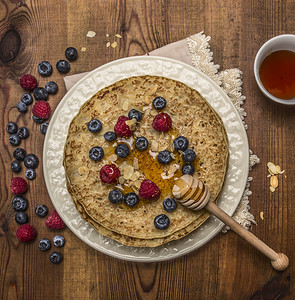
192 117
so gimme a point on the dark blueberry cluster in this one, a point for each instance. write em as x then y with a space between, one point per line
161 221
20 204
135 114
141 143
169 204
16 133
159 103
41 210
94 125
71 53
110 136
116 197
164 157
45 68
51 87
59 241
96 153
63 66
122 150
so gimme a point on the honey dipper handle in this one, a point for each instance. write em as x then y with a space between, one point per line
279 261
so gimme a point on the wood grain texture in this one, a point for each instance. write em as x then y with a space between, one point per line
226 267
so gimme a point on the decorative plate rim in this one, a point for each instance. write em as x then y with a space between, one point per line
228 203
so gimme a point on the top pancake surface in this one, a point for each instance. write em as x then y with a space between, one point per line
191 116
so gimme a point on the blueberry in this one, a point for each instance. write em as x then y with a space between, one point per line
27 99
19 154
51 87
58 241
30 174
159 103
14 139
41 210
189 155
94 125
110 136
180 143
19 203
164 157
71 53
23 132
135 114
43 127
38 120
21 218
40 93
44 244
122 150
63 66
188 168
45 68
141 143
22 108
16 166
31 161
161 221
96 153
11 127
56 257
131 199
169 204
116 196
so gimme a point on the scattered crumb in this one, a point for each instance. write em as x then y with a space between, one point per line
274 170
108 44
83 49
261 215
118 36
107 35
91 34
114 44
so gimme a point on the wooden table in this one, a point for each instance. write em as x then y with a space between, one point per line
225 268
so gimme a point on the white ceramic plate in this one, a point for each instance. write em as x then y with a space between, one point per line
106 75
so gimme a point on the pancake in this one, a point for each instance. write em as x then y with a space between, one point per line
191 116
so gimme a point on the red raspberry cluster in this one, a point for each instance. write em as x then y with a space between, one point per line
121 128
41 109
149 190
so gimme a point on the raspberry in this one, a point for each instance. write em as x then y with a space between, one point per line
149 190
18 185
41 109
121 128
162 122
54 221
28 82
26 233
109 173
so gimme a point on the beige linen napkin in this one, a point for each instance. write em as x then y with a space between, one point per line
195 51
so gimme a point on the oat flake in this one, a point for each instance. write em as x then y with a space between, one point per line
114 44
91 34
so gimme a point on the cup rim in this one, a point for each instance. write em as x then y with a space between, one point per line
258 56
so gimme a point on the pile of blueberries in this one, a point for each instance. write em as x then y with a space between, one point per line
31 161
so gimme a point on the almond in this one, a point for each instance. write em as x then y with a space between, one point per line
274 181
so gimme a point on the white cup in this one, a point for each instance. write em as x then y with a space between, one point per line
280 42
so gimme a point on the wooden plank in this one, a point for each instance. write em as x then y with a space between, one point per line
225 268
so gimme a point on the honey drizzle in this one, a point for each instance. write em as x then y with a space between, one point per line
152 170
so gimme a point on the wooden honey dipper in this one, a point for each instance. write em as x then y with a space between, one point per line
192 193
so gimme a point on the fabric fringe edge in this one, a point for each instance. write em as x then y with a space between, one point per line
230 80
